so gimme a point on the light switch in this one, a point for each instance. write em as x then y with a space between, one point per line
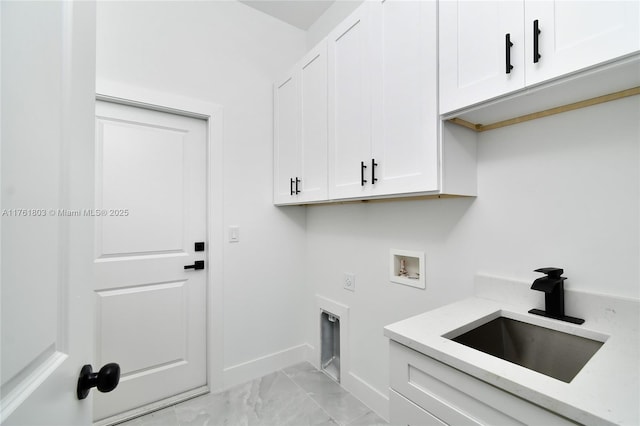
234 234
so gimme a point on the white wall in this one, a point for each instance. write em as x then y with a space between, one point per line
560 191
229 54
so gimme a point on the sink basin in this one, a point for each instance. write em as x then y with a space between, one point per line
553 353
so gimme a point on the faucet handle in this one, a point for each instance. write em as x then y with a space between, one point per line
551 272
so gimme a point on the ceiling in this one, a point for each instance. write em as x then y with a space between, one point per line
299 13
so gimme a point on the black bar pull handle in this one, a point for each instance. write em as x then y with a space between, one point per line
362 179
536 33
291 186
507 49
374 179
297 182
198 264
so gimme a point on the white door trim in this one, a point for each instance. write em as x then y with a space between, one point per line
213 114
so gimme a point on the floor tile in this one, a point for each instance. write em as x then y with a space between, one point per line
369 419
341 406
296 396
312 380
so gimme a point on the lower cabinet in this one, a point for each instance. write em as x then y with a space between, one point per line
427 392
405 412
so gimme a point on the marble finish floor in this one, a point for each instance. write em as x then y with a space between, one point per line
298 396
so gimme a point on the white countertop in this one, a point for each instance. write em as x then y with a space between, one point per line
605 391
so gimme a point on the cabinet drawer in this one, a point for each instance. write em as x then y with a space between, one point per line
404 412
458 398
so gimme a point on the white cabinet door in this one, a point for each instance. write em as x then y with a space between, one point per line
313 155
349 105
286 138
578 34
300 131
405 137
473 51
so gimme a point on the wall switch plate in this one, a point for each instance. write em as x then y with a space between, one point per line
234 234
349 282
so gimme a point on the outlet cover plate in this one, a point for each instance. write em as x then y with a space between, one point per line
349 282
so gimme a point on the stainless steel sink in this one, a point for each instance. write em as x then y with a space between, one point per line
554 353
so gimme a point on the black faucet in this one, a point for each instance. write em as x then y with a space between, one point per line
553 287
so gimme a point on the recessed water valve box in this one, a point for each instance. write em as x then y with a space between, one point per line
407 268
330 345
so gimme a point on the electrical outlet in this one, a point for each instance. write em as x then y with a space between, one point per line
349 282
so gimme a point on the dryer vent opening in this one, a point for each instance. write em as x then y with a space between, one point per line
330 345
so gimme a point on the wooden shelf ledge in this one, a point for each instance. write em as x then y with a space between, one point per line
551 111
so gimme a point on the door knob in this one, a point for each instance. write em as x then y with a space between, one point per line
198 264
105 380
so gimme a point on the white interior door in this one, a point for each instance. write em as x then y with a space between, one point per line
151 191
48 92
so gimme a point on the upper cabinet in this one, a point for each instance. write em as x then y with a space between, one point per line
350 97
568 36
286 138
405 103
488 49
358 117
313 90
383 133
300 131
481 51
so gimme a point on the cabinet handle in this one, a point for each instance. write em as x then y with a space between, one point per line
362 179
297 182
374 179
536 33
291 186
507 49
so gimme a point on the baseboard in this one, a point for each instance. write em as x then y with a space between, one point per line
250 370
312 357
368 395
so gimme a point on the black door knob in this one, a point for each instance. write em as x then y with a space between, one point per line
105 380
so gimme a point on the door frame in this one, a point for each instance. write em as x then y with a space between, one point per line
213 114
